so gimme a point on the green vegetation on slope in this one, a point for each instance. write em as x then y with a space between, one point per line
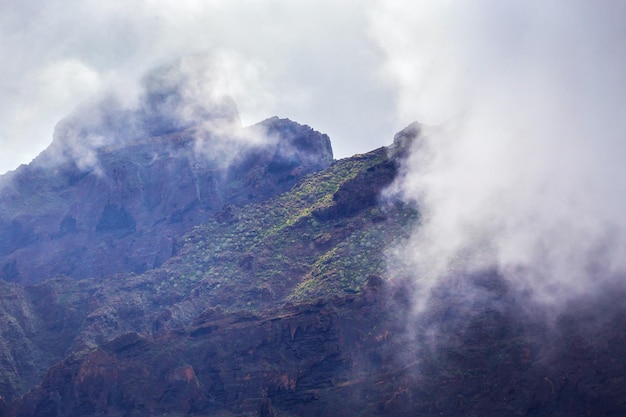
289 248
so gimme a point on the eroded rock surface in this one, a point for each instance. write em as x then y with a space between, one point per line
125 214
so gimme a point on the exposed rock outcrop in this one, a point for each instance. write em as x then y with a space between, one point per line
126 213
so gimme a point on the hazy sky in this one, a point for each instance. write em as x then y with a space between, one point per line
315 62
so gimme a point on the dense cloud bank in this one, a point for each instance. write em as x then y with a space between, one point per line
520 167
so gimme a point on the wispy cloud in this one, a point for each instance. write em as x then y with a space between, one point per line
311 61
188 95
521 169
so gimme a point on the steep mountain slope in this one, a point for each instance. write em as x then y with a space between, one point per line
124 213
244 258
351 355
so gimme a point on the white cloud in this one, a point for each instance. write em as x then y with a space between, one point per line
311 61
65 79
524 171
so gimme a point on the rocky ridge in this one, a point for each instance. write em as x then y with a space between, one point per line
125 215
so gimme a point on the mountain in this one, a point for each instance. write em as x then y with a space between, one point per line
273 298
124 212
245 261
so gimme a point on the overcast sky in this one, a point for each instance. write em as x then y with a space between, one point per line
315 62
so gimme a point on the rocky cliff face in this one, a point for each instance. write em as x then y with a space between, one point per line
351 354
240 266
124 213
300 360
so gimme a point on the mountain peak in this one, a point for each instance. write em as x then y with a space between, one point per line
97 203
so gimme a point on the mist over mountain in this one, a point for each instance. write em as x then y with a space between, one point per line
119 184
518 169
274 296
159 258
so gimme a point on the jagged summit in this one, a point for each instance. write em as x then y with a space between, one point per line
170 100
125 176
100 202
241 265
